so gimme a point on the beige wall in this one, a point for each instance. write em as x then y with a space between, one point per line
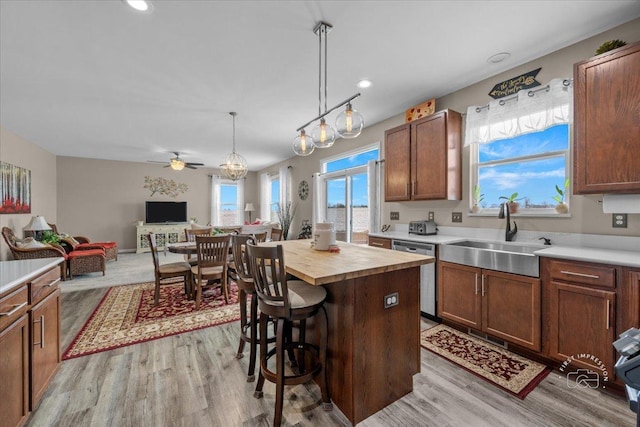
19 152
103 199
587 216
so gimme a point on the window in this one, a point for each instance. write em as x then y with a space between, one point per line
520 149
347 197
530 165
229 204
274 199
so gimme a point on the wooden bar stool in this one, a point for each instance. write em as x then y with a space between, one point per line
287 301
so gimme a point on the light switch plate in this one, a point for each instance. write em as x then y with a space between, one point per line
619 220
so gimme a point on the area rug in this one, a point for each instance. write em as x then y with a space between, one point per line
126 316
507 370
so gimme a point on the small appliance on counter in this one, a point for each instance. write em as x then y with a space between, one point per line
628 367
423 227
324 236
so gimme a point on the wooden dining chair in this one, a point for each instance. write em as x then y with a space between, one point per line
260 237
190 235
276 234
211 269
288 301
168 271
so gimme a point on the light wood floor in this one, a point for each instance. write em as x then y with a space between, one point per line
194 379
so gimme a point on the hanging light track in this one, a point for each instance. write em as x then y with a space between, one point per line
349 123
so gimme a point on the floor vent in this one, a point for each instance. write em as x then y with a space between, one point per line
488 338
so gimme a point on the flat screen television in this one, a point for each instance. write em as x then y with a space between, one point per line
165 212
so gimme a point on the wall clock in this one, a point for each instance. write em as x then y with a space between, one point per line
303 190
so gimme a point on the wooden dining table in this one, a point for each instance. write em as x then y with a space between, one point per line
373 309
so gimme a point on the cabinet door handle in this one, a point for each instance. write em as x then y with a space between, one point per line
375 244
16 307
483 285
607 311
476 283
41 342
406 190
571 273
414 184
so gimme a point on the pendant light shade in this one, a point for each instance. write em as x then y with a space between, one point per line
349 123
323 135
234 166
303 145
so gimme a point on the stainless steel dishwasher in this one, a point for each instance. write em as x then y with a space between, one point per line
427 274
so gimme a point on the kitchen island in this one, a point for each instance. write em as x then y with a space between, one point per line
373 308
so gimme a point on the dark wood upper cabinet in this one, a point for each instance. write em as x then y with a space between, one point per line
423 159
607 123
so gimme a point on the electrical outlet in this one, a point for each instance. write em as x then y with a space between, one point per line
619 220
391 300
430 217
395 216
456 216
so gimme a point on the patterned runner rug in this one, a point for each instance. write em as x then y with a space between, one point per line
126 316
497 365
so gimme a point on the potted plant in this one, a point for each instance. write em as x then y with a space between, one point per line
477 198
561 207
512 200
285 213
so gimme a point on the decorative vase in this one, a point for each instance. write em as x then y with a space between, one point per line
562 208
513 207
140 223
475 209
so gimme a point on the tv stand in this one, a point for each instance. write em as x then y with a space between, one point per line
165 233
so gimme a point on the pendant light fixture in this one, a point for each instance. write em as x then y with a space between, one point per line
349 123
234 166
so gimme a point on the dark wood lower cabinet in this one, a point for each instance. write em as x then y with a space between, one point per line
582 327
504 305
45 344
14 373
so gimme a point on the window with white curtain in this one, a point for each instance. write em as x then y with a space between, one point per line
521 145
275 190
227 202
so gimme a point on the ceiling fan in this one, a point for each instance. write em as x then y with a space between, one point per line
176 163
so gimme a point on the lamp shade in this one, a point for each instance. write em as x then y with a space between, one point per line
249 207
37 223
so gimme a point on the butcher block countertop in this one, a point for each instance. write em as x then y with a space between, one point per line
353 261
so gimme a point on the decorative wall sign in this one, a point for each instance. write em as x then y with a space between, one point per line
167 187
15 189
421 110
515 84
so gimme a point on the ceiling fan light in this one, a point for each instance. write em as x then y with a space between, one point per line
303 145
349 123
323 135
177 164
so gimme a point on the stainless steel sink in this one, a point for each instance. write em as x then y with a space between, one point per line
500 256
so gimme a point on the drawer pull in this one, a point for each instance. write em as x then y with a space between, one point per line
54 282
376 244
571 273
16 307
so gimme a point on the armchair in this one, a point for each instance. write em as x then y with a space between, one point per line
48 251
82 243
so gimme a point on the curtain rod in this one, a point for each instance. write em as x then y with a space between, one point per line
532 92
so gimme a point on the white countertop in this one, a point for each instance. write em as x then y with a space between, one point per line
14 273
577 247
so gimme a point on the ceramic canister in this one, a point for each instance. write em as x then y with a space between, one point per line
324 236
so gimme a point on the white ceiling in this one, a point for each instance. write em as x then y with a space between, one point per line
97 79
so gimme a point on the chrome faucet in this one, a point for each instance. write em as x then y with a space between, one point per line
508 235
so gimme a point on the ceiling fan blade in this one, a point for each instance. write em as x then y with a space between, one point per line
188 165
155 161
194 164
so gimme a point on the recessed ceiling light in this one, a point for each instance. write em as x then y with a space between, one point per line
498 57
139 5
363 84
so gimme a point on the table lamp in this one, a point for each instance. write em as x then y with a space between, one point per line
37 225
249 208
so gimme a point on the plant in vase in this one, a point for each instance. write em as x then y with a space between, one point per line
512 200
561 207
477 198
285 212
